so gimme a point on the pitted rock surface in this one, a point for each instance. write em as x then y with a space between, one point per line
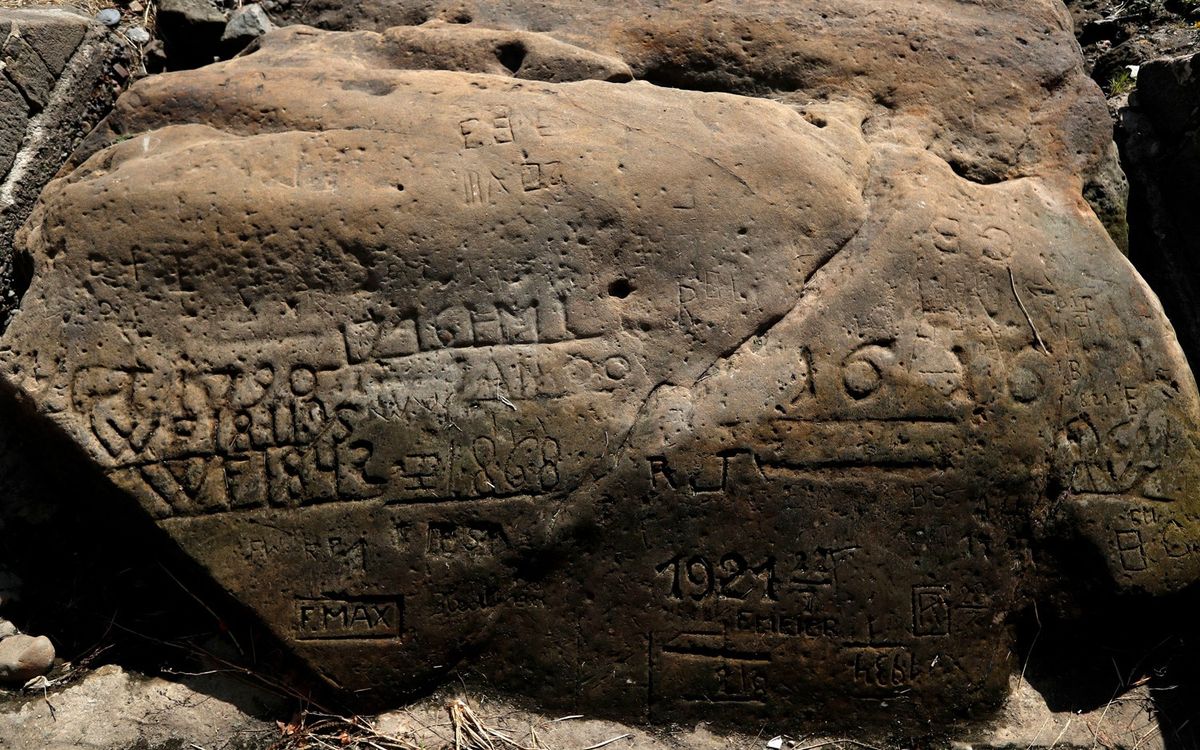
668 403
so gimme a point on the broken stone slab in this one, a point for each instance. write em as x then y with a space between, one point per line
52 90
626 396
54 34
14 118
25 68
34 48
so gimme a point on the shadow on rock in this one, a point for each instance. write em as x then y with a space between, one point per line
1087 652
106 587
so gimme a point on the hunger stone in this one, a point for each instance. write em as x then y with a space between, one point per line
670 403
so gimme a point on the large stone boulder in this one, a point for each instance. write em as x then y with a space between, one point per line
452 346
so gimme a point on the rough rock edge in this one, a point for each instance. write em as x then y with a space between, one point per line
80 95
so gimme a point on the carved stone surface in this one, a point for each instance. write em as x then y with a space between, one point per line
663 402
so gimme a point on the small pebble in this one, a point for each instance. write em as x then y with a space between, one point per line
23 657
248 23
138 35
109 16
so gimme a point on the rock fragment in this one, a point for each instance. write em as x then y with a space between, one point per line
53 76
23 657
27 70
196 13
109 16
245 25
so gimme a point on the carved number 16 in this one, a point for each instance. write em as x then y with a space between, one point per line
695 577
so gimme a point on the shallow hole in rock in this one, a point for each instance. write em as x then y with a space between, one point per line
374 87
620 288
974 172
511 55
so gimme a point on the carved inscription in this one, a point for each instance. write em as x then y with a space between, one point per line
318 619
479 599
488 129
454 540
931 612
887 668
538 321
730 577
798 625
701 668
301 426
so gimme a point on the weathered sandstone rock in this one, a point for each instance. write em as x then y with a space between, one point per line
631 396
996 89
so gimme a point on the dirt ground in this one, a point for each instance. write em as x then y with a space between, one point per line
110 708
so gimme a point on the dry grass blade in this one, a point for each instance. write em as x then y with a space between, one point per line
310 730
599 745
470 733
840 742
1063 732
